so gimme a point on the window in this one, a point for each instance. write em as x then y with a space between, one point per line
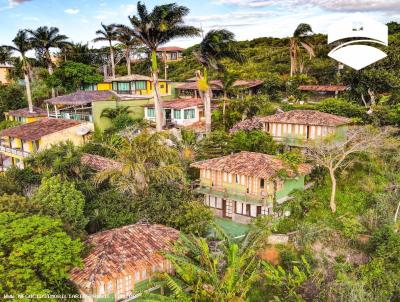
144 275
174 55
137 276
115 86
189 114
123 86
230 178
177 114
262 183
151 112
247 210
154 268
237 178
140 85
225 177
161 85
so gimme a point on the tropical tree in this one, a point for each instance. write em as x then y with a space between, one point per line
61 199
129 43
162 24
43 39
215 46
5 55
201 274
299 38
144 159
227 88
108 34
22 45
36 255
336 152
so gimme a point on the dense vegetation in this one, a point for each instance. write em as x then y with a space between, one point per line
350 254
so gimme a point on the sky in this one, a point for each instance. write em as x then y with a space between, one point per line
248 19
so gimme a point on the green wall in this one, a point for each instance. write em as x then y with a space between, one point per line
135 106
289 185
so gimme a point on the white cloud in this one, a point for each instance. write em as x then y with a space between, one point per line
230 16
71 11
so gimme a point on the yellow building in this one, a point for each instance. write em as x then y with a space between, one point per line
134 84
4 73
23 115
20 142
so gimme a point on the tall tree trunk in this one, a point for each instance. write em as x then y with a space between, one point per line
224 108
156 93
51 71
207 109
128 61
112 60
333 193
105 73
293 57
28 91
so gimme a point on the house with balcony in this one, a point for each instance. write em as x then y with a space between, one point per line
178 112
5 70
122 261
130 86
24 116
245 185
296 127
20 142
170 53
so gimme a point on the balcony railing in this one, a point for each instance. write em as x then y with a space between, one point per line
73 116
17 152
238 195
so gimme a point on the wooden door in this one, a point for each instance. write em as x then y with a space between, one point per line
227 208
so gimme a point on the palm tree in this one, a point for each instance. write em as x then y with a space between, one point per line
22 45
215 46
128 42
227 87
43 39
162 24
302 31
201 274
144 159
5 55
108 34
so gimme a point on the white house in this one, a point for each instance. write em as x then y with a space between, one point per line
180 112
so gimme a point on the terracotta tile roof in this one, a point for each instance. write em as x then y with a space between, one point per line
250 164
170 48
180 103
81 98
122 251
322 88
128 78
25 112
306 117
38 129
99 163
217 84
214 84
247 83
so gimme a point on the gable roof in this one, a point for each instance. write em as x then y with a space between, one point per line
36 130
123 251
81 98
306 117
180 103
250 164
99 163
25 112
323 88
170 48
217 84
128 78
